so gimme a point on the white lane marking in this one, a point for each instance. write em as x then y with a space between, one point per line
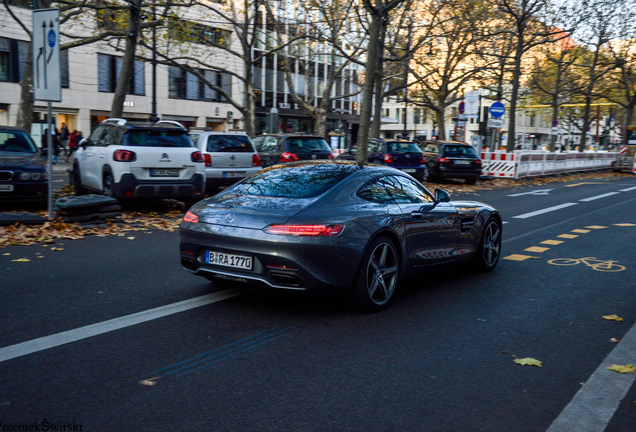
545 210
43 343
594 405
628 189
598 197
536 192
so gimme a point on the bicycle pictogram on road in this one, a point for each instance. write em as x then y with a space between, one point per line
595 263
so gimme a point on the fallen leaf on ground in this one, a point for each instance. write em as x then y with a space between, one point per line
149 381
57 249
614 340
622 369
130 238
612 318
7 254
21 260
529 362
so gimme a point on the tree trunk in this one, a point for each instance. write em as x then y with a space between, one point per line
586 123
25 110
629 118
320 125
128 63
379 87
441 123
367 95
512 133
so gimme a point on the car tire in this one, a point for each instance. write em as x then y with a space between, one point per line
77 180
489 249
107 185
378 276
471 181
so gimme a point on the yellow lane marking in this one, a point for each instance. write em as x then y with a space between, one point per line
580 231
625 224
581 184
596 227
568 236
517 257
552 242
536 249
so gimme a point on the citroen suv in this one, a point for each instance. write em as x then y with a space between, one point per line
127 160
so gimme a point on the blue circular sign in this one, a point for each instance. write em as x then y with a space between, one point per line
497 110
51 38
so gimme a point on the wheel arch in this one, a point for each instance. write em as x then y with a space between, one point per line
383 232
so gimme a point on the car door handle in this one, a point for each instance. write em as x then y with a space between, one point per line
417 214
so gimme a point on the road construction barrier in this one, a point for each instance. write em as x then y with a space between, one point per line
521 164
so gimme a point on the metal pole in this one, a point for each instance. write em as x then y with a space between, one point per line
49 168
153 114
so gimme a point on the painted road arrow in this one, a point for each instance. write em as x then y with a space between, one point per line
537 192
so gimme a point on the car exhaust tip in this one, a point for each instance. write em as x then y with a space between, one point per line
188 263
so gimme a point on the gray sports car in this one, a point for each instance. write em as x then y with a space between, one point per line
334 227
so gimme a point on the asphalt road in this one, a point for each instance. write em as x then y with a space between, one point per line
441 358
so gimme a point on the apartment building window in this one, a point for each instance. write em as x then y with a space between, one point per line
416 116
186 85
397 114
108 70
188 31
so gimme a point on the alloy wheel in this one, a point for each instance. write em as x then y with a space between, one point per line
492 243
382 272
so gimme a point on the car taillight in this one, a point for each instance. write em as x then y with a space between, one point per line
422 160
331 156
208 160
288 157
305 230
256 160
388 158
197 156
443 160
477 161
124 156
190 217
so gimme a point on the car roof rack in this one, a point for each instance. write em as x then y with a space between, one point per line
201 128
119 121
171 122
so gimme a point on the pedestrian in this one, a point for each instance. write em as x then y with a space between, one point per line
55 145
72 144
64 137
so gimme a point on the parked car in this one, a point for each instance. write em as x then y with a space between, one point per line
279 148
129 160
451 159
23 174
229 156
403 155
334 227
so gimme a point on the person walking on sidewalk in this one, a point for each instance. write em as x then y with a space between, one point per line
55 145
64 138
72 144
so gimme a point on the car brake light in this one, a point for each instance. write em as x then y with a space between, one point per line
422 160
443 160
330 155
305 230
190 217
197 156
208 160
124 156
288 157
388 158
256 160
477 161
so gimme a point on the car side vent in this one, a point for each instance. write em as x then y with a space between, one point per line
467 224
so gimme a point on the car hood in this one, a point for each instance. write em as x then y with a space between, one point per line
248 211
13 160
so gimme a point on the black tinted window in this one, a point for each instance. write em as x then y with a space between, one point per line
157 138
313 145
457 150
297 181
404 147
376 191
264 144
406 191
229 144
19 142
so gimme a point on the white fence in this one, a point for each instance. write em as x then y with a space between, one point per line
536 163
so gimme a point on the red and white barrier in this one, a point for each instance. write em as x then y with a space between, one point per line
634 169
498 164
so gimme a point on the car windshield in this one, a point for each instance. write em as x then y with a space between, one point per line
304 180
310 145
404 147
157 138
228 143
459 150
16 141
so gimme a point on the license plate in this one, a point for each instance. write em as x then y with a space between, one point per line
234 174
462 162
6 188
164 172
409 170
228 260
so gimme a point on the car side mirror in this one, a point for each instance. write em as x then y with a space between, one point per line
441 196
84 143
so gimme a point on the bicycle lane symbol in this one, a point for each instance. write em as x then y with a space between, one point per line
595 263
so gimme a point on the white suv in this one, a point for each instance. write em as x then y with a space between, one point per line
229 156
140 160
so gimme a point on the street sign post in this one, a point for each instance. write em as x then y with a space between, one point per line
471 104
47 83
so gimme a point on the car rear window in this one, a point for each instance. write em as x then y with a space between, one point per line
309 145
18 142
404 147
157 138
229 144
457 150
305 180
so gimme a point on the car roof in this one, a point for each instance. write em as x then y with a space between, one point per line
12 129
162 124
292 135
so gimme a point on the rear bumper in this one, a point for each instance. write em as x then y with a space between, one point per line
457 173
416 171
130 187
216 177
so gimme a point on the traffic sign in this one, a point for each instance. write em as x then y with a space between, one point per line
462 107
555 123
471 103
47 84
495 123
497 110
